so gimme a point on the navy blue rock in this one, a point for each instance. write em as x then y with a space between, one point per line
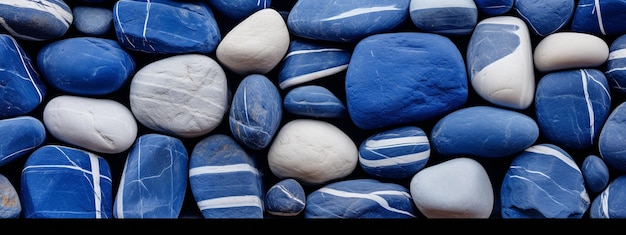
166 26
307 61
616 65
314 101
600 17
154 179
596 173
238 9
494 7
224 179
483 131
20 136
360 199
571 107
543 182
611 202
22 89
545 17
444 17
610 142
70 65
93 21
346 21
396 153
60 182
255 112
35 20
430 82
285 198
10 205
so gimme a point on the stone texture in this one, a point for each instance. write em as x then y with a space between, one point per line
610 144
615 69
10 205
20 136
596 173
35 20
314 101
545 17
494 7
610 203
93 20
238 9
450 17
285 198
599 17
569 50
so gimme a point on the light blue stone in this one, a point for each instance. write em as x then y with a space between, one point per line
61 182
616 65
238 9
314 101
20 136
494 7
481 43
360 199
545 17
543 182
600 17
93 21
10 207
285 198
380 93
610 142
35 20
397 153
448 18
611 202
154 179
224 179
255 112
571 107
596 173
63 65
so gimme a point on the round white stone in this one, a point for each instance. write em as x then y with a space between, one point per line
566 50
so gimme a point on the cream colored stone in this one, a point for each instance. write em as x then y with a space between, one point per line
568 50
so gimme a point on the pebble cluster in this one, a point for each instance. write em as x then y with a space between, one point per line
309 109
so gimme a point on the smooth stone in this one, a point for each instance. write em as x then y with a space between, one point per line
183 95
35 20
396 153
611 202
154 179
255 45
256 112
22 88
10 205
307 61
610 144
93 21
224 179
571 107
96 124
346 21
604 17
63 65
285 198
545 17
60 182
449 17
166 26
483 131
380 94
567 50
494 7
615 69
543 182
456 188
500 62
314 101
238 9
360 199
596 173
312 151
20 136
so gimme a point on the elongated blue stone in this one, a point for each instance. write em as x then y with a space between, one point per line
308 61
314 101
20 136
616 65
35 20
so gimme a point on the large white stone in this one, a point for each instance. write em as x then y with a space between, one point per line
566 50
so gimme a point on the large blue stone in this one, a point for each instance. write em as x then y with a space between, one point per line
154 179
20 136
95 21
611 202
545 17
314 101
238 9
616 65
610 142
600 17
596 173
35 20
494 7
448 18
285 198
64 182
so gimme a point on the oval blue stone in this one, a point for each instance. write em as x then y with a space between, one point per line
314 101
20 136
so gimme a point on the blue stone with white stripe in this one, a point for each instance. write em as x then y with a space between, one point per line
396 153
571 107
307 61
35 20
611 202
360 199
604 17
616 65
60 182
610 142
494 7
154 179
596 173
314 101
449 17
238 9
543 182
22 89
224 179
346 21
20 136
545 17
285 198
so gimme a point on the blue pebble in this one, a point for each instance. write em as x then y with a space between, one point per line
458 18
285 198
93 21
35 20
611 202
545 17
20 136
610 142
238 9
596 173
616 65
314 101
224 179
154 179
61 182
255 112
480 44
600 17
494 7
10 205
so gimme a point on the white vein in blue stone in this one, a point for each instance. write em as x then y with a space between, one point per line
372 145
441 4
17 152
289 194
584 76
245 104
374 196
361 11
615 55
24 64
229 202
539 187
540 149
604 203
598 13
196 171
120 23
311 76
258 3
145 23
56 10
301 52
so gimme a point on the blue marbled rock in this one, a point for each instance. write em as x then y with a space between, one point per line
154 179
396 153
10 205
238 9
600 17
483 131
63 64
20 136
166 26
457 17
596 173
611 202
571 107
545 17
360 199
314 101
255 112
610 142
22 89
431 82
64 182
494 7
307 61
346 21
616 65
544 182
35 20
93 21
285 198
224 179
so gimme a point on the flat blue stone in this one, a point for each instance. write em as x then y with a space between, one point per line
285 198
616 65
255 112
104 74
494 7
93 21
20 136
10 206
596 173
396 153
154 179
543 182
600 17
314 101
610 142
611 202
35 20
571 107
448 18
545 17
224 179
63 182
238 9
